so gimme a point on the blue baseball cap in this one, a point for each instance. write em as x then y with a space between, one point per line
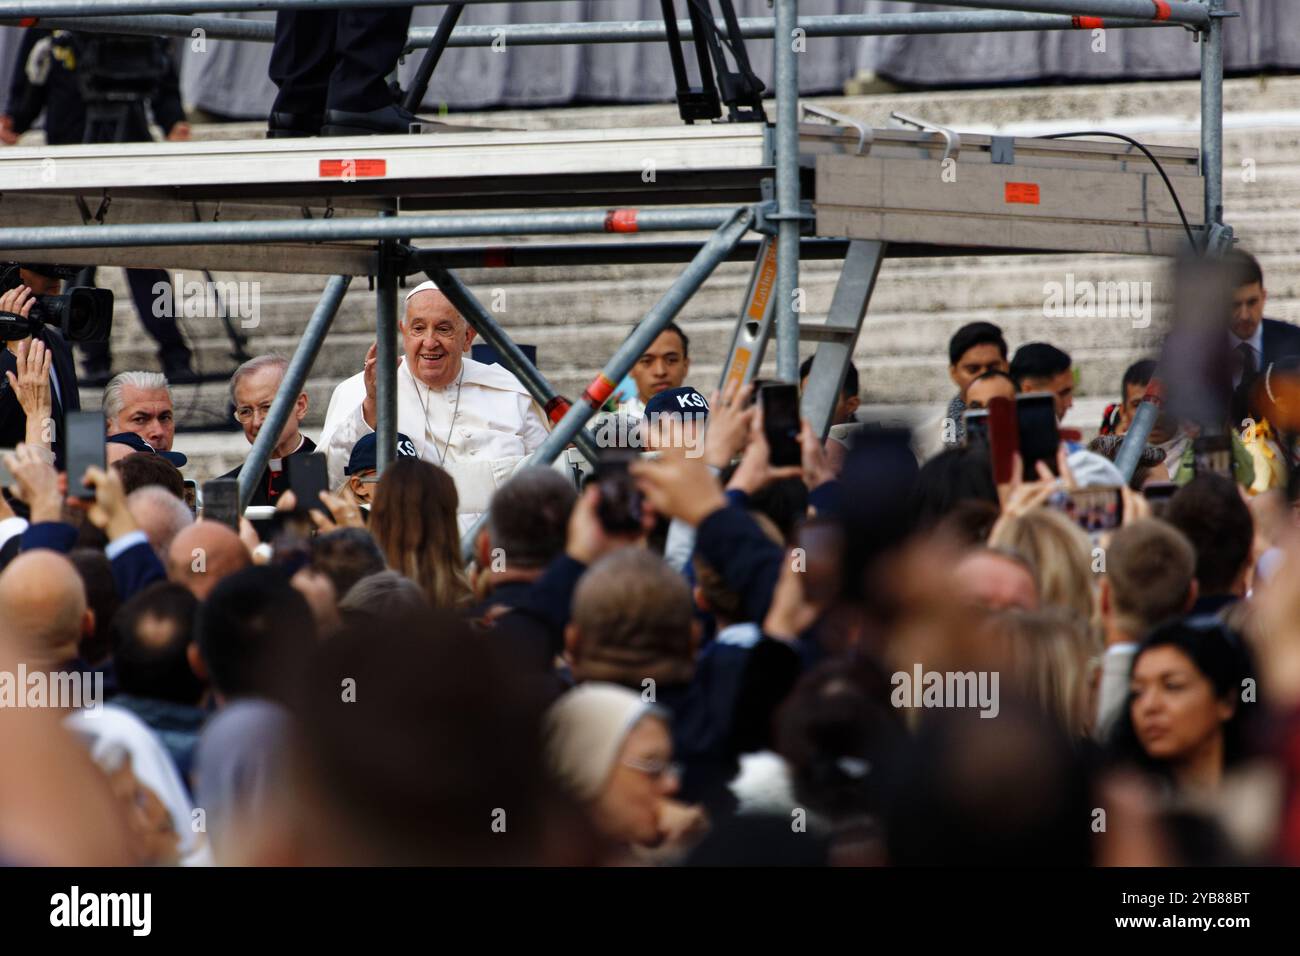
365 457
134 441
677 403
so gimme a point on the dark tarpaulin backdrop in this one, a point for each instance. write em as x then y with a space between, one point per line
230 78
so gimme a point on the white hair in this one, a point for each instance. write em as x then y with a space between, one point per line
256 364
160 514
148 381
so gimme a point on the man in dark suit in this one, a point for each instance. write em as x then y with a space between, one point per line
63 373
1256 341
332 67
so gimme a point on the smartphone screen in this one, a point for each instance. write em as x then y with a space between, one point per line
221 501
1159 490
781 424
1004 438
620 505
6 479
85 448
977 427
1039 438
307 479
1212 455
191 495
1092 509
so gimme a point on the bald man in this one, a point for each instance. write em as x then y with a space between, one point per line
476 421
204 553
45 609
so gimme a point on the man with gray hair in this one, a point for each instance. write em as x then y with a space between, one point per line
474 420
160 515
141 402
253 388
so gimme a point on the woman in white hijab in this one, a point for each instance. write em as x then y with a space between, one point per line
614 752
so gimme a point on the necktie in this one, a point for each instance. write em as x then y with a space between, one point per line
1248 369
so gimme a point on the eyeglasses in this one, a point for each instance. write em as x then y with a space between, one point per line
655 769
244 413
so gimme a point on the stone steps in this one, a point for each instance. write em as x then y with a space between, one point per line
576 316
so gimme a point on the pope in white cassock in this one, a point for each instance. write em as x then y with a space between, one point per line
476 421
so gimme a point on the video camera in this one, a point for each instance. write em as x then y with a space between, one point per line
82 314
117 68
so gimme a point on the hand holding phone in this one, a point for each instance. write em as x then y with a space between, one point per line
781 424
221 501
308 477
85 449
620 505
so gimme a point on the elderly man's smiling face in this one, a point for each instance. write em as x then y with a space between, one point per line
435 338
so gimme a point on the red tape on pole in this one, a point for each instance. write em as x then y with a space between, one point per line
599 390
556 409
620 220
1087 23
1162 10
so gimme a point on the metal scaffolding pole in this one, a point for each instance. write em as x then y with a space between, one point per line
356 228
1175 11
22 9
1212 114
512 358
386 353
786 73
295 376
633 31
712 253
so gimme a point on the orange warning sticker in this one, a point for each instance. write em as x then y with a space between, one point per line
351 169
1022 193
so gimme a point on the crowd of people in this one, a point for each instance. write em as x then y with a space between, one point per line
881 655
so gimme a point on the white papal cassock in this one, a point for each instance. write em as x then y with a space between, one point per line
496 426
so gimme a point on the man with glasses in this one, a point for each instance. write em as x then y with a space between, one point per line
253 388
476 421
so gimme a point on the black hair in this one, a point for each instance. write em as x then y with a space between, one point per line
1038 360
972 334
142 468
1244 268
1209 510
101 597
253 631
851 383
1139 373
949 479
157 669
345 556
674 327
1220 656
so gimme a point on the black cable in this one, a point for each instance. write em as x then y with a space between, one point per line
1154 162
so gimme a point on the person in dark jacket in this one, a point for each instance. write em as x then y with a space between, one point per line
52 74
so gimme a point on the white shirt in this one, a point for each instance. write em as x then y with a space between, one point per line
496 425
1256 343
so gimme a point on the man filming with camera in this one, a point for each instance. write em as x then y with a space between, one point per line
103 88
40 379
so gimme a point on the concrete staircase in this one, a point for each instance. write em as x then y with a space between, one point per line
577 316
